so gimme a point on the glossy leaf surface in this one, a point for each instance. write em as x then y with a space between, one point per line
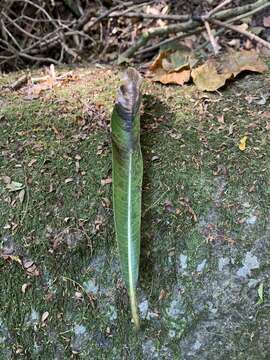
127 180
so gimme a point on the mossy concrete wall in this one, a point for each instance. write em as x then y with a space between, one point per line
204 273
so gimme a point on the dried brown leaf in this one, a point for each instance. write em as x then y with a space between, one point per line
32 162
25 287
106 181
106 203
206 76
33 270
162 295
214 72
172 67
245 60
27 263
68 180
11 257
157 63
44 316
178 78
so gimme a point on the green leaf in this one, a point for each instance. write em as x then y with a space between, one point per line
127 165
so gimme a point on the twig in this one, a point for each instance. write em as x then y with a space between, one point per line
232 12
251 12
204 44
11 36
187 26
246 33
44 42
91 23
150 16
40 8
65 278
16 85
71 52
18 27
239 17
7 57
160 31
87 26
27 193
210 13
73 7
137 6
39 58
41 20
217 8
29 29
9 46
168 41
155 203
212 39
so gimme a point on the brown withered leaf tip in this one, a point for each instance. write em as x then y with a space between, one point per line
129 92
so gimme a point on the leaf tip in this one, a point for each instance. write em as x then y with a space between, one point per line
129 93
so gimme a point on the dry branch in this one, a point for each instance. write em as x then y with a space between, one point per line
38 31
168 41
218 7
19 82
235 11
192 24
141 15
246 33
89 24
211 38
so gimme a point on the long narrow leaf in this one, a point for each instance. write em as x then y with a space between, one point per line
127 180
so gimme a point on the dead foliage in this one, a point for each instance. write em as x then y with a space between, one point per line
51 32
